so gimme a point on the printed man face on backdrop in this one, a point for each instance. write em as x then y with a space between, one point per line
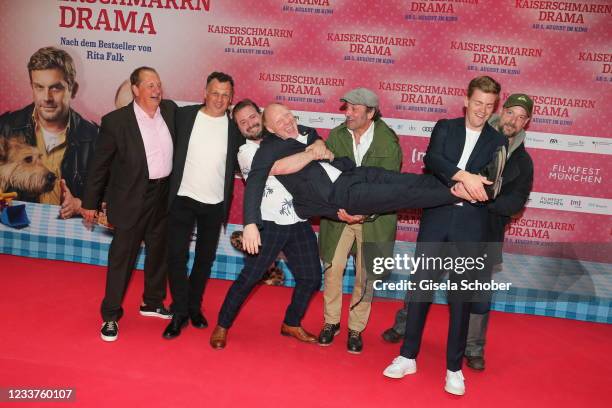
51 94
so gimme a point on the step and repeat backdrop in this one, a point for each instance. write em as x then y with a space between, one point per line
418 56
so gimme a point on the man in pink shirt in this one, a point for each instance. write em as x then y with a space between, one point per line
130 171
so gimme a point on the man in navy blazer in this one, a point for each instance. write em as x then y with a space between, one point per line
458 150
515 189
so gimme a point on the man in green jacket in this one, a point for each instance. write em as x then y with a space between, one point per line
366 139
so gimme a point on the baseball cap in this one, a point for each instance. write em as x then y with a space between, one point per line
521 100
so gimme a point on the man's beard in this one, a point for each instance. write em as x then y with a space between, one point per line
255 137
509 136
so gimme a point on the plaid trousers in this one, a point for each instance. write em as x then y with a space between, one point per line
299 244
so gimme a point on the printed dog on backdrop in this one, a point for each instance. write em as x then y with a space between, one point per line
274 276
22 169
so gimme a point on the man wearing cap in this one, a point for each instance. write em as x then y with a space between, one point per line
367 140
516 186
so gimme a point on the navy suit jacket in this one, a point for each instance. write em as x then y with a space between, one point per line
310 187
443 154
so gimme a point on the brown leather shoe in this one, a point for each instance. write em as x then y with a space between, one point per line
218 338
298 332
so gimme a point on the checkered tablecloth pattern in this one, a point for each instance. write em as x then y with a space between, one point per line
48 237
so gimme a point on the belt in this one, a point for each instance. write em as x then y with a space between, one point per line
159 180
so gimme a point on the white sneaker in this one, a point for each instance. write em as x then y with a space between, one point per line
454 382
400 367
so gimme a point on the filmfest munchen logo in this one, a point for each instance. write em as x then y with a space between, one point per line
551 201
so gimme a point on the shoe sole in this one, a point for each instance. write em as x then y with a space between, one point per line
354 352
454 391
476 368
293 337
154 314
399 376
332 340
109 338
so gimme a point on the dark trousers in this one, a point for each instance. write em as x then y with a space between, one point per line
152 228
188 288
299 244
457 331
372 190
476 336
465 224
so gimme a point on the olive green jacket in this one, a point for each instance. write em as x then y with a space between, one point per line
384 152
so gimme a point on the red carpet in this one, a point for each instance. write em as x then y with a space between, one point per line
51 339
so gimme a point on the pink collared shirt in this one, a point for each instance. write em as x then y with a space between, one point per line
157 142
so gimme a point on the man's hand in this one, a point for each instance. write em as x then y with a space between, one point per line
89 218
458 190
474 184
320 151
350 219
251 240
71 205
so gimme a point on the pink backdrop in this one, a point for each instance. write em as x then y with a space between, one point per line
417 55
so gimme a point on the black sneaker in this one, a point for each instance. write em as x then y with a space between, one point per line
476 362
328 332
391 336
354 344
110 331
160 312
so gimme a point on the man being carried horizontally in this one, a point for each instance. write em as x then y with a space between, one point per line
323 187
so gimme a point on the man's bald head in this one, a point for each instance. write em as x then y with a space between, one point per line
278 119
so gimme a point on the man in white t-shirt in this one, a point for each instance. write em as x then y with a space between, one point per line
282 230
201 186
